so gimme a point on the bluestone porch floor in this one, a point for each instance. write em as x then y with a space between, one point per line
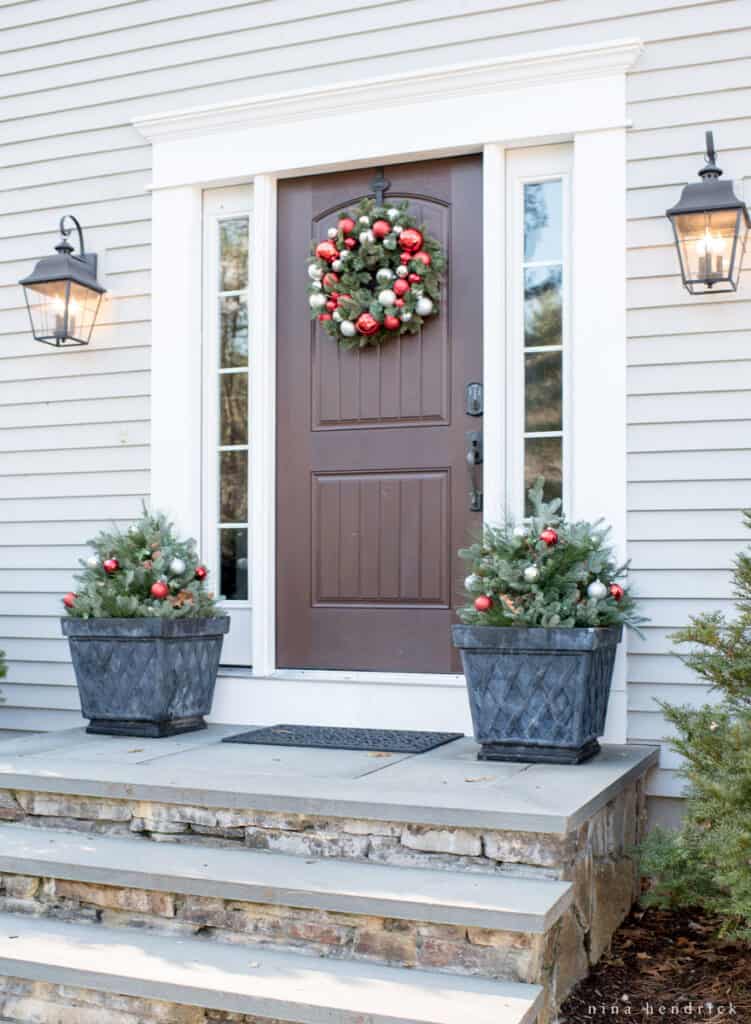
446 786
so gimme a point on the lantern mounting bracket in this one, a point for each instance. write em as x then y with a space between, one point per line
710 170
65 248
380 184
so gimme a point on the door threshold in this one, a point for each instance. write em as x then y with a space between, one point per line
372 678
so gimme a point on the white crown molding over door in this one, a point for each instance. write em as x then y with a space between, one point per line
578 95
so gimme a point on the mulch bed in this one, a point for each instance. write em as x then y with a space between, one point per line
665 964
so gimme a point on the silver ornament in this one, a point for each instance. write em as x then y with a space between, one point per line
336 315
397 229
347 328
177 567
402 271
93 561
424 306
393 213
520 531
314 272
389 242
366 236
343 256
384 275
406 317
337 265
473 583
332 232
597 590
531 573
317 301
386 297
317 285
364 219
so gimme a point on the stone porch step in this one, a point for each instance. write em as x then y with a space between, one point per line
265 983
414 894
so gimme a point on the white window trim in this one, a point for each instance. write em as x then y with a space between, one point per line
574 94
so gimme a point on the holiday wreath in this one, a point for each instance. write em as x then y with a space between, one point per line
376 276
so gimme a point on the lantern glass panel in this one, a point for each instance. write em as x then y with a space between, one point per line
62 312
707 243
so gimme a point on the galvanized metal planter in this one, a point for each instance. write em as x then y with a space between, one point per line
535 694
145 677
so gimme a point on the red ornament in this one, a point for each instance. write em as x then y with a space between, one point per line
201 572
346 225
327 251
391 323
323 317
342 297
350 242
330 279
414 278
424 258
367 324
398 303
410 240
483 603
159 590
381 228
331 305
110 565
400 287
616 591
69 600
405 257
549 537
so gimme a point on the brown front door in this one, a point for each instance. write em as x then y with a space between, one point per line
372 482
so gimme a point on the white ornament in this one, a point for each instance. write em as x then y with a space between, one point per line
366 236
596 590
520 531
406 317
337 265
332 232
393 213
384 275
424 306
473 583
347 328
386 297
317 301
317 285
531 573
177 567
364 219
402 271
93 561
336 315
344 255
397 229
314 272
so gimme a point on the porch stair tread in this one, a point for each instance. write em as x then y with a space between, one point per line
506 903
266 983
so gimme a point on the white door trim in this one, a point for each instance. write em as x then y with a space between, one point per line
574 94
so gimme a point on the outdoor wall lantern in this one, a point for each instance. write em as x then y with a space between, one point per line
710 224
62 292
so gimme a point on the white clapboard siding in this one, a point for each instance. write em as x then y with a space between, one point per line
74 427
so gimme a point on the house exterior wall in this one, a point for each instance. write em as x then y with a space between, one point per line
74 426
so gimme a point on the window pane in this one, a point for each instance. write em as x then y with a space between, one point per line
543 227
543 391
233 487
234 331
233 408
542 457
233 254
234 564
542 306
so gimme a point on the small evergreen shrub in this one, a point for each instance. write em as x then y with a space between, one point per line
546 571
707 862
3 666
143 572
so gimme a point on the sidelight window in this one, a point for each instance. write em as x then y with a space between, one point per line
538 319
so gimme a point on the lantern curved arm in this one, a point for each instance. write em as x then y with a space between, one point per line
66 231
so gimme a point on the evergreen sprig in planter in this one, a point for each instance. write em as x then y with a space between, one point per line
145 634
540 634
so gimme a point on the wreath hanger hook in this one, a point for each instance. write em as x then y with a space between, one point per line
379 184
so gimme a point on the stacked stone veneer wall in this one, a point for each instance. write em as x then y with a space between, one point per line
596 858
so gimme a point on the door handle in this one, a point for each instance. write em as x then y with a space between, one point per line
474 459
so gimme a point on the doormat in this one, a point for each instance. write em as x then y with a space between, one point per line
392 741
